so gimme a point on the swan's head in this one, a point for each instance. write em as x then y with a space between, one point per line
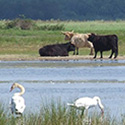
100 104
14 86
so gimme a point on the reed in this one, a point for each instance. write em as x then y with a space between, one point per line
57 113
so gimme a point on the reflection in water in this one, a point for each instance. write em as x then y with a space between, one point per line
66 80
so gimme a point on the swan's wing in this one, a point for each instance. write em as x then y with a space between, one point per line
85 102
20 104
17 104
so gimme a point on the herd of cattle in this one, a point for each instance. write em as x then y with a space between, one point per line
97 43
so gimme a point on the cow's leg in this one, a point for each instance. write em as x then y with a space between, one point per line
74 51
90 45
111 54
91 52
101 53
95 54
76 48
114 50
77 51
116 53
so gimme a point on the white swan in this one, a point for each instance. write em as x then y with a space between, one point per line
17 102
85 103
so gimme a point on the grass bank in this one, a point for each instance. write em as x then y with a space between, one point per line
28 42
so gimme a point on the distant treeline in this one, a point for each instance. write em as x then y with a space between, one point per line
63 9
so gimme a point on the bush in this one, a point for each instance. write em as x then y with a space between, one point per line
51 27
24 24
27 24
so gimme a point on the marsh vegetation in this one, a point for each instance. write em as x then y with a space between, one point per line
15 40
57 114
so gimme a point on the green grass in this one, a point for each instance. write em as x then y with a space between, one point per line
57 113
16 41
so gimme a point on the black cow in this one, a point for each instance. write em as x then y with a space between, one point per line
57 49
104 43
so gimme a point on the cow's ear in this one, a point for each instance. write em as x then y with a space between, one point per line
62 32
89 34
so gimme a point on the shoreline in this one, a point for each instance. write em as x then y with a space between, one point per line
18 57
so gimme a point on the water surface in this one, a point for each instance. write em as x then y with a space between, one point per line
66 80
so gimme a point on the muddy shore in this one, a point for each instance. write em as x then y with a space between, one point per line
17 57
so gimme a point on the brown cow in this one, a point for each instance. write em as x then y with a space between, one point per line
79 40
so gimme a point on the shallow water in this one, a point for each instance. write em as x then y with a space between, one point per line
66 80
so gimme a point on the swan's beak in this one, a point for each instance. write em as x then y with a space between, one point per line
11 89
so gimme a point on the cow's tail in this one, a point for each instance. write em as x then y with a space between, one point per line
116 51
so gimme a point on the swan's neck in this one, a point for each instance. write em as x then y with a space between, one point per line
98 102
101 107
22 90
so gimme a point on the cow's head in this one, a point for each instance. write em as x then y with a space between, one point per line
71 47
68 35
91 36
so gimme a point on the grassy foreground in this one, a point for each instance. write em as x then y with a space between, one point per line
27 42
57 114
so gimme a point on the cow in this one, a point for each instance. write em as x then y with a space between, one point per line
79 40
104 43
57 49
